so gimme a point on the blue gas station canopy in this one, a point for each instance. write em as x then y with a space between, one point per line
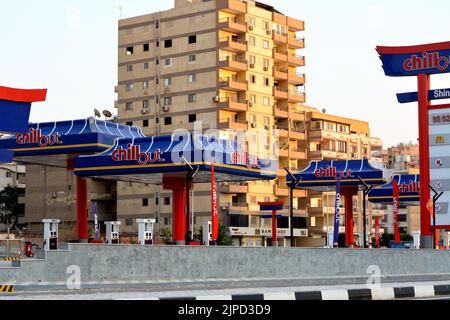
408 190
321 175
147 160
54 143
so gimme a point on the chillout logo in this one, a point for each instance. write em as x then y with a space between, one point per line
244 158
427 61
36 136
329 172
410 187
134 153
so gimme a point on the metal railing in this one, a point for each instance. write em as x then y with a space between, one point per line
11 248
235 40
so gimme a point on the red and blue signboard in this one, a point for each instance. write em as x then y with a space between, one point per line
437 94
409 190
415 60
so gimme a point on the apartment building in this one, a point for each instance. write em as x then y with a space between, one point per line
332 137
231 65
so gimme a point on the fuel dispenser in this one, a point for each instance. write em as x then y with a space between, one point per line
207 233
145 231
416 237
50 234
112 232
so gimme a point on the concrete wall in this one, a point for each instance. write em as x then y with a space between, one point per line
134 263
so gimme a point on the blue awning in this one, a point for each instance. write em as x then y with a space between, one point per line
409 186
54 143
147 160
321 175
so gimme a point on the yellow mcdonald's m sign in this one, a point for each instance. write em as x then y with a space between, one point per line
440 140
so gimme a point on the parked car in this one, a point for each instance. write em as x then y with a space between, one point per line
401 245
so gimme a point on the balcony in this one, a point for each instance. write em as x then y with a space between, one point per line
232 25
280 94
280 112
232 104
232 44
315 211
297 116
233 124
235 207
297 134
232 64
279 38
281 191
295 25
320 135
323 154
296 154
283 153
279 56
297 96
280 75
296 60
282 132
232 84
233 188
297 78
296 42
232 6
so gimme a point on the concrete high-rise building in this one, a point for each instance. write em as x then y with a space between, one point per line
232 65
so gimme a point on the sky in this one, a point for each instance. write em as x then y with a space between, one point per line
70 47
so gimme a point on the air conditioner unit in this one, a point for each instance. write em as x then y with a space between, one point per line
144 111
354 155
250 104
266 68
252 65
267 147
250 27
216 99
267 127
269 32
253 125
166 108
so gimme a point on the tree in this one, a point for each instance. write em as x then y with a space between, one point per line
10 209
224 238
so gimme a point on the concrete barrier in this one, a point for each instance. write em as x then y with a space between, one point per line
101 263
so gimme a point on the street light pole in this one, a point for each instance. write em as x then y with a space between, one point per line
436 197
366 191
292 186
189 177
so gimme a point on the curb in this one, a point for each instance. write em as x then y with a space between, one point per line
7 288
388 293
11 259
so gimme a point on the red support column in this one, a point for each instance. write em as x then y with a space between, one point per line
348 194
274 229
424 102
178 187
82 210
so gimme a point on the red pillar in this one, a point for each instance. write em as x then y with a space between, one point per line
82 210
424 102
274 228
348 194
178 187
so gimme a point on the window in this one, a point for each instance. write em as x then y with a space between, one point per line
129 86
130 50
157 61
167 201
252 120
157 80
157 24
130 123
192 39
252 99
8 174
167 101
146 65
129 68
129 106
168 62
145 85
266 25
192 58
266 101
146 47
145 104
168 43
145 123
266 44
167 121
252 79
129 222
192 98
252 22
252 41
157 43
266 63
267 123
192 118
252 60
267 82
342 147
192 77
167 82
145 202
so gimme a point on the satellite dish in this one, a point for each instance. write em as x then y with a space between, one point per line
97 113
107 114
324 110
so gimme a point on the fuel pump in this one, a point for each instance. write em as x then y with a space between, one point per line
145 231
112 232
50 234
